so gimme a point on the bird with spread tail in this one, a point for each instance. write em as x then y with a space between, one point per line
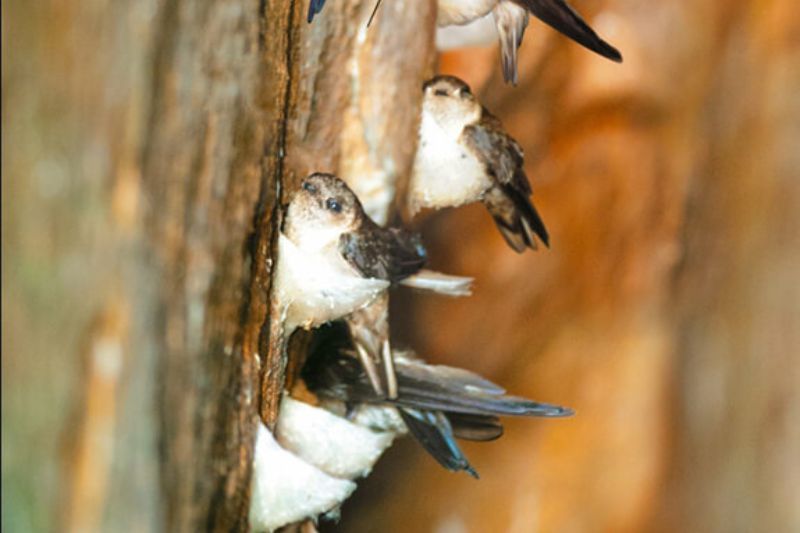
331 443
437 404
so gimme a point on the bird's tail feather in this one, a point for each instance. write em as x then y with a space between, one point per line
439 283
511 21
560 16
434 432
517 219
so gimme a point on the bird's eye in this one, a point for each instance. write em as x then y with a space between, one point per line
309 187
333 205
440 92
464 93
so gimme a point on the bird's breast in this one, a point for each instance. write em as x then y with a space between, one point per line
446 173
317 286
458 12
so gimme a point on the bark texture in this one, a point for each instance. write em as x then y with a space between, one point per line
150 146
213 173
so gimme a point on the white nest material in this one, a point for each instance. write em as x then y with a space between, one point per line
309 470
286 489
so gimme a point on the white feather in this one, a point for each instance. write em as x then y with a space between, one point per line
379 418
437 282
445 174
480 32
317 285
462 11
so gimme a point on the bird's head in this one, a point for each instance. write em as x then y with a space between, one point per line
449 100
321 211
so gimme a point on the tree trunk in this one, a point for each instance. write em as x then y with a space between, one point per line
213 175
150 145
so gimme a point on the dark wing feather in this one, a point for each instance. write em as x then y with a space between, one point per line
437 404
508 201
455 379
498 150
433 431
560 16
383 253
314 7
432 396
477 428
443 388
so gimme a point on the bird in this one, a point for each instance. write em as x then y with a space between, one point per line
464 155
436 404
333 260
511 20
332 442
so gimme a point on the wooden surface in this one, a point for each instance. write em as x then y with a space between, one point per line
150 146
212 174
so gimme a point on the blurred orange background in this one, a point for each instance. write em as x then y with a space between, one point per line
667 310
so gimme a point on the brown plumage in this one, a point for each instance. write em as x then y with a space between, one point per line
334 262
464 155
508 200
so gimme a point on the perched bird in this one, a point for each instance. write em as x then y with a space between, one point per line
334 260
435 403
511 19
464 156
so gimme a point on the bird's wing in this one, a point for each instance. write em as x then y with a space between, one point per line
384 253
560 16
508 200
451 378
427 395
437 403
434 432
498 151
314 7
429 387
